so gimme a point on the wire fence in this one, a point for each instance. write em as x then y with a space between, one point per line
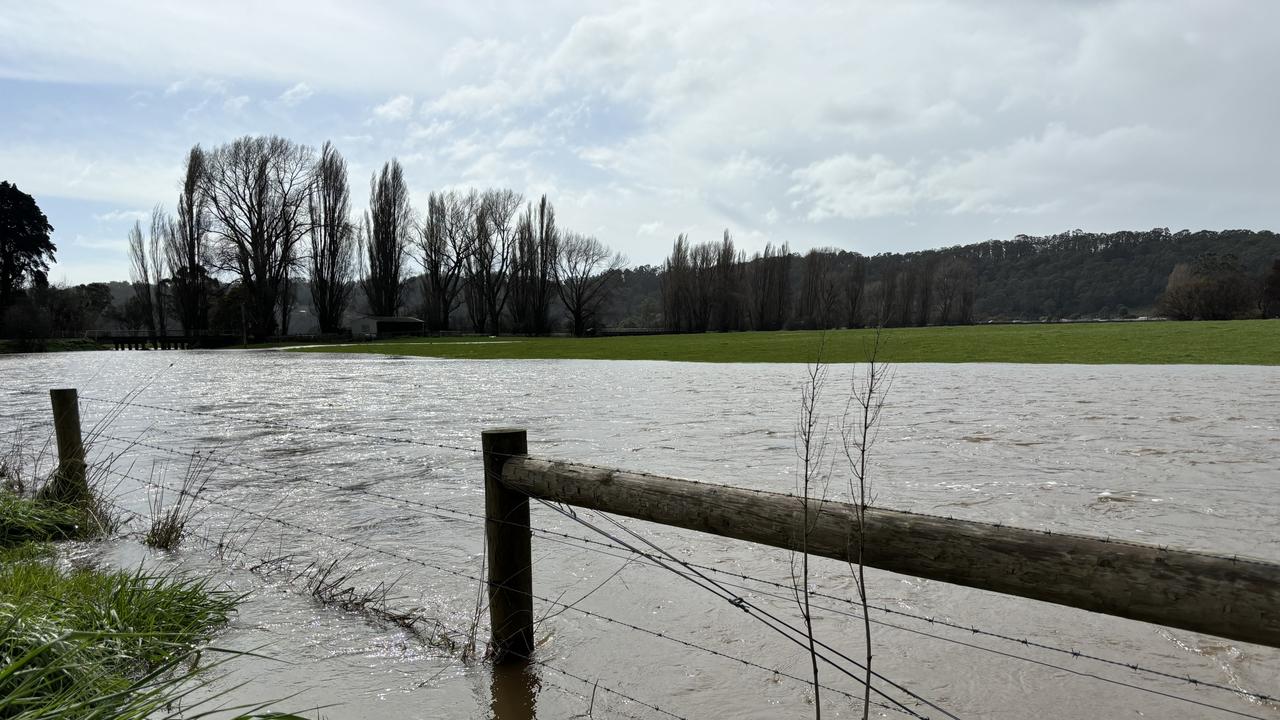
639 549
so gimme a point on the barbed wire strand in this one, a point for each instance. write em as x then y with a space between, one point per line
652 632
411 441
264 561
933 620
467 576
770 620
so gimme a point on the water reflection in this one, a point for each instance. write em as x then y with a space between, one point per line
514 689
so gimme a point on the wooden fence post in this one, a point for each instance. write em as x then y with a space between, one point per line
507 536
69 484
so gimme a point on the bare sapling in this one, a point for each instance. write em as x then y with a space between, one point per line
811 445
859 428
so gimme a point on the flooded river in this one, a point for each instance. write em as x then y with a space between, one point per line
1178 455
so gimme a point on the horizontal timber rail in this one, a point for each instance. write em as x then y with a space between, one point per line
1234 598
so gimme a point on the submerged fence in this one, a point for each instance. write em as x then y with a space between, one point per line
1231 597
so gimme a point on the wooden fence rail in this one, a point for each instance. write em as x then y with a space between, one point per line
1230 597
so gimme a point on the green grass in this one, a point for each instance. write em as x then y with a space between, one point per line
24 519
90 643
1239 342
98 644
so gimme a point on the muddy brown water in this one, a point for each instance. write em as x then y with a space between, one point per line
1178 455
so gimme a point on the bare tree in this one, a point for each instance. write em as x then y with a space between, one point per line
701 292
906 300
161 232
533 266
770 286
811 447
819 289
258 189
677 276
584 272
728 291
855 285
488 264
445 243
187 249
332 257
288 298
140 276
927 275
387 225
955 289
858 431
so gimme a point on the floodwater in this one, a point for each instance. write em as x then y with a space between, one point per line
1178 455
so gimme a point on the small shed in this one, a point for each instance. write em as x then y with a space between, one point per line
384 327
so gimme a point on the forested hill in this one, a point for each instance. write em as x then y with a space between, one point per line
1092 274
1069 275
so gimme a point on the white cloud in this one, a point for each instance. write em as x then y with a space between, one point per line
116 245
436 129
122 215
855 188
395 109
898 124
235 104
124 178
296 94
655 228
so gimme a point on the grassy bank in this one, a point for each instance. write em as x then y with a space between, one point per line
1241 342
94 643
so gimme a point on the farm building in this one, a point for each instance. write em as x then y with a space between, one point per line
384 327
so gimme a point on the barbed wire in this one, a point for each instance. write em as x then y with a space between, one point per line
932 620
265 561
410 441
467 576
768 619
604 547
649 631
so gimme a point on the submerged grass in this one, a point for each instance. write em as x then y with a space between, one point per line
93 643
1238 342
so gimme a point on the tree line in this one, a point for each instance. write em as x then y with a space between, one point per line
713 286
1073 275
263 226
260 217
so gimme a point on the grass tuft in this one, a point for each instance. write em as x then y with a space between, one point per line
169 521
97 644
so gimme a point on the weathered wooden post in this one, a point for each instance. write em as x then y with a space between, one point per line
507 536
69 484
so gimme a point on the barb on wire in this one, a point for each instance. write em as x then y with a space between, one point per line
468 576
604 547
773 622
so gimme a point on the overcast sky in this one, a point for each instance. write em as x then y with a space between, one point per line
870 126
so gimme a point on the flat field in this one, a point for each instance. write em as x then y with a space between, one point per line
1239 342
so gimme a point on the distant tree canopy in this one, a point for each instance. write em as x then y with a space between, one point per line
1214 287
1270 291
1065 276
263 231
25 247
